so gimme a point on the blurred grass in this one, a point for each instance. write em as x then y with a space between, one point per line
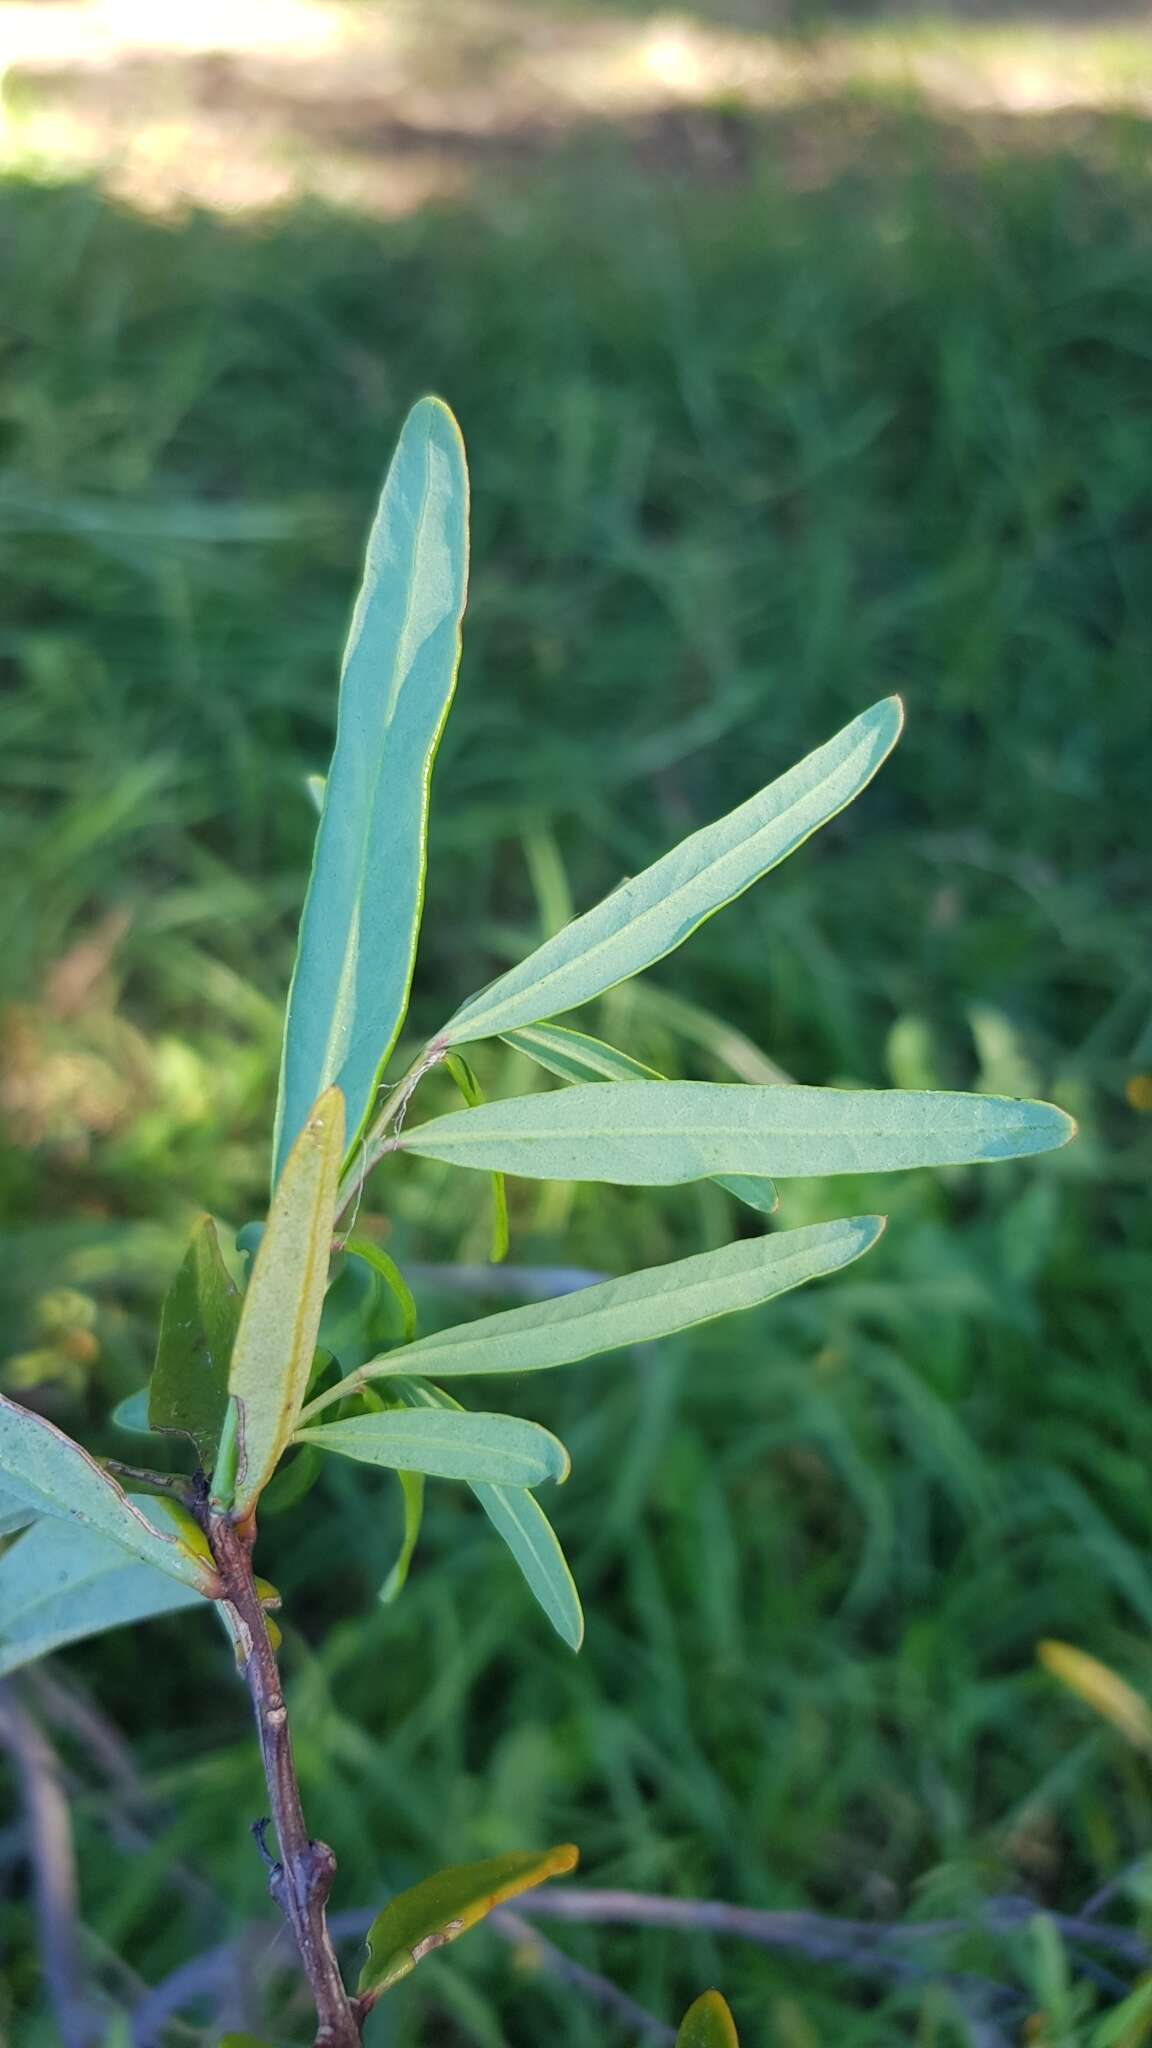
745 457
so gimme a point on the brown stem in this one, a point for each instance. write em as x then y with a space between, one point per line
301 1879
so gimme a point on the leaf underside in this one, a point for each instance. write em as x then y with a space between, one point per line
361 916
502 1450
670 1132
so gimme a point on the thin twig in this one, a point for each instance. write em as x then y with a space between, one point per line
50 1848
301 1878
600 1990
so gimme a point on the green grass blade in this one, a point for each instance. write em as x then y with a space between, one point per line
361 916
60 1583
502 1450
644 1306
574 1056
656 911
276 1341
674 1131
41 1469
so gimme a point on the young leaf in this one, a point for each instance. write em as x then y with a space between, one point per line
673 1131
502 1449
442 1907
43 1470
473 1095
372 1255
60 1583
574 1056
188 1391
272 1355
636 1309
412 1490
654 912
131 1414
708 2024
361 919
518 1518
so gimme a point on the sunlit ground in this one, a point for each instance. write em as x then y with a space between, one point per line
246 105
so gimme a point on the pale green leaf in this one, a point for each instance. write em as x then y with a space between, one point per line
412 1492
673 1131
188 1391
501 1449
361 916
574 1056
656 911
43 1470
708 2024
61 1582
517 1517
276 1340
442 1907
636 1309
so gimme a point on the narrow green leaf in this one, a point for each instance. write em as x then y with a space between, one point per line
473 1095
518 1518
43 1470
673 1131
442 1907
635 1309
412 1489
61 1582
574 1056
708 2024
272 1356
654 912
372 1255
502 1449
361 917
188 1391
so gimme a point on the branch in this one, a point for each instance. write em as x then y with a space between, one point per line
301 1878
601 1990
49 1836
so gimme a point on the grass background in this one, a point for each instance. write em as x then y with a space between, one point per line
750 448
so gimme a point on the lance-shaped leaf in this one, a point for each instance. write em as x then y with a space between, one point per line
412 1494
43 1471
708 2024
636 1309
445 1906
656 911
501 1449
361 916
673 1131
518 1518
60 1583
188 1391
276 1340
574 1056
